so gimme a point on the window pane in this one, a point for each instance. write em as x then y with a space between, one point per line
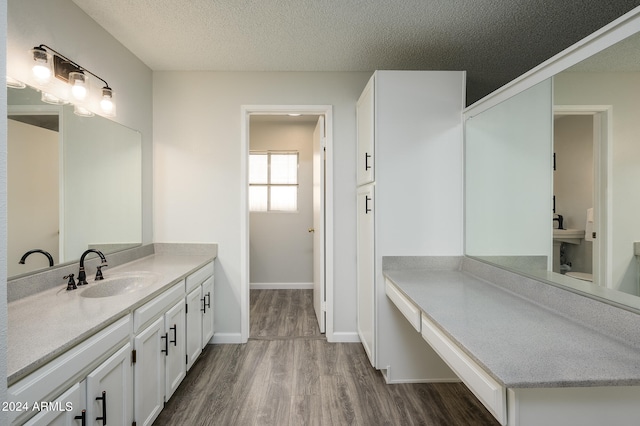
284 168
284 198
258 198
258 168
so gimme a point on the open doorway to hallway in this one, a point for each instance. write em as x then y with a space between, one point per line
281 222
280 194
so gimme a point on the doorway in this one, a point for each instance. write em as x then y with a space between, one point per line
581 177
289 226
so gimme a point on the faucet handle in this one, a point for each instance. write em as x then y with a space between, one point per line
99 273
71 284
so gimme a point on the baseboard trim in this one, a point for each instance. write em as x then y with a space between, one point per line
227 339
386 374
343 337
281 286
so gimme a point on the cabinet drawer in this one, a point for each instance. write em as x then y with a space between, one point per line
157 306
408 309
199 276
487 389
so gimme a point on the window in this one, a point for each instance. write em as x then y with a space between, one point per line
273 181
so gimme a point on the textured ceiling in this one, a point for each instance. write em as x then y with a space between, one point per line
493 40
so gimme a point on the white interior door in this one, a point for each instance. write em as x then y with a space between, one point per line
318 223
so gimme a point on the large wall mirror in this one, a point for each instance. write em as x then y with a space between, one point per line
552 176
73 183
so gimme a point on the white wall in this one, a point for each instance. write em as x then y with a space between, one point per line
197 140
281 248
63 26
618 90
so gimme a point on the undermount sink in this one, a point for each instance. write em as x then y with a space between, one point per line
571 236
122 283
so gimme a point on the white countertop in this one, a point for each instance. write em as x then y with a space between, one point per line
519 343
46 324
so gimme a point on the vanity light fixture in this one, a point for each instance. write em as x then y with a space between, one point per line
79 85
82 111
52 99
42 64
106 103
15 84
47 61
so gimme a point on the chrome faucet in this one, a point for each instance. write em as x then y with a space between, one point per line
82 276
46 253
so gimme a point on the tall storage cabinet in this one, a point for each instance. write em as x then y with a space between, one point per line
410 191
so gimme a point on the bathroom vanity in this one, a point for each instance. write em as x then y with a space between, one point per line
116 348
515 345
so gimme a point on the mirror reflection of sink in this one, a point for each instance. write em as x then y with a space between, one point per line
571 236
122 283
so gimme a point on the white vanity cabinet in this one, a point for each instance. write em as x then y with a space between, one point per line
109 390
175 355
199 306
409 135
159 362
71 409
365 124
74 380
366 269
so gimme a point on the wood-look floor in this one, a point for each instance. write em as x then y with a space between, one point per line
287 374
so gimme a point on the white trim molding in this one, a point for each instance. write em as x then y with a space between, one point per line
227 339
281 286
343 337
246 112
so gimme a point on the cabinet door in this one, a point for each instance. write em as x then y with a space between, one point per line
366 270
365 111
109 390
175 366
73 400
149 372
207 315
194 325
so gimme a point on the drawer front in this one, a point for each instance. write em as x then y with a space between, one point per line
408 309
199 276
147 312
487 389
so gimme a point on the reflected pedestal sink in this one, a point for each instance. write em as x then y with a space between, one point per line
570 236
122 283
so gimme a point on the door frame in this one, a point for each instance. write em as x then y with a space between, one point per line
602 178
246 112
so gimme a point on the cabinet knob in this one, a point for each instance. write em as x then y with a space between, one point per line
311 230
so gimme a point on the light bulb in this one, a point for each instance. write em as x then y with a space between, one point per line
106 103
52 99
82 111
79 85
41 65
15 84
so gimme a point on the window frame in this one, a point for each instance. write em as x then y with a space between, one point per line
268 185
